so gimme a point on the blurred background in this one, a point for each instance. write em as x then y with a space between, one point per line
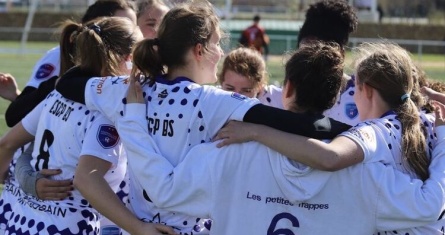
412 23
422 20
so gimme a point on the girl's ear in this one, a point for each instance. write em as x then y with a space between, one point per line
129 62
288 89
368 90
197 51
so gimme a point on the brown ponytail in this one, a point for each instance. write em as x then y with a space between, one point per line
70 29
99 46
182 28
388 69
147 59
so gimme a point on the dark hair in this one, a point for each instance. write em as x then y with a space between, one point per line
388 69
100 44
183 27
316 71
256 18
106 8
329 20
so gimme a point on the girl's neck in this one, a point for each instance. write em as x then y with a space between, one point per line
181 72
378 108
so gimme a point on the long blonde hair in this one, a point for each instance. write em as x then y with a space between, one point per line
388 68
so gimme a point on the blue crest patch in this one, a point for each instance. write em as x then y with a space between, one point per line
110 230
238 96
351 110
44 71
107 136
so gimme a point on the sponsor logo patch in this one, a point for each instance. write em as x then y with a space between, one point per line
238 96
110 230
364 133
44 71
163 94
351 110
107 136
99 85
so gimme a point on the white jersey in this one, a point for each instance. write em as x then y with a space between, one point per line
344 109
180 114
65 130
271 96
251 189
389 133
48 66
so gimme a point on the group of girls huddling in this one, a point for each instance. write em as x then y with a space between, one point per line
134 138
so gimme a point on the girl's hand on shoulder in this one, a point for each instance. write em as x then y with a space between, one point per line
236 132
433 95
134 93
439 110
427 91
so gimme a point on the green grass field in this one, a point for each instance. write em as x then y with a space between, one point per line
20 67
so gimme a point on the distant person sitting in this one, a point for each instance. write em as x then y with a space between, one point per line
255 37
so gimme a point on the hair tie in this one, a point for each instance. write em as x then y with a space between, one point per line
405 97
95 28
156 41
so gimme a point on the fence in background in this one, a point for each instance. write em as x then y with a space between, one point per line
281 41
415 46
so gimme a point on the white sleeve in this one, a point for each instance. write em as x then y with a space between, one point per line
31 121
271 96
106 95
221 106
164 184
47 67
405 205
102 140
365 136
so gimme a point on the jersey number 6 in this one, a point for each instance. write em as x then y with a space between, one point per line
273 224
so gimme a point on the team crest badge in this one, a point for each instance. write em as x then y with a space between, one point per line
44 71
107 136
351 110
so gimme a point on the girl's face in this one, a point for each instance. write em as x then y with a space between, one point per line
238 83
150 19
211 59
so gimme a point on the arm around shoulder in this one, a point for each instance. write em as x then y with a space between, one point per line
314 126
